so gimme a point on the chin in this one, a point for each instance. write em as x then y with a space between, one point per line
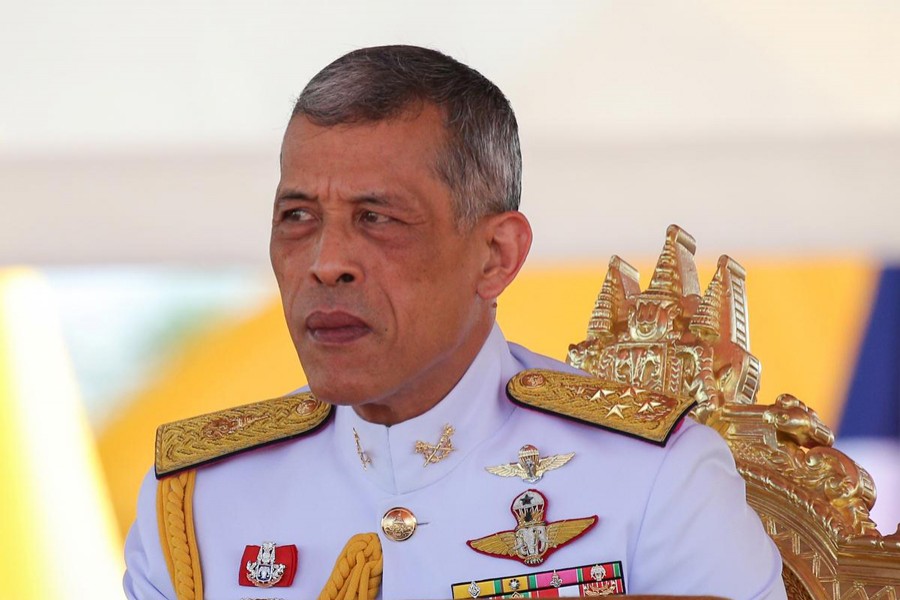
339 392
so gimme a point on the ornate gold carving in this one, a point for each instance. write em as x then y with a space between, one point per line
813 499
668 339
619 407
793 586
197 440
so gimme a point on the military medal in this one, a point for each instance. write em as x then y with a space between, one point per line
534 538
531 466
268 565
555 580
598 579
437 452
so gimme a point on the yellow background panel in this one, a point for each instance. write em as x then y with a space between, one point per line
21 578
239 363
805 321
57 533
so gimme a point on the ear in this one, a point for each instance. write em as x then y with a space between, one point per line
508 235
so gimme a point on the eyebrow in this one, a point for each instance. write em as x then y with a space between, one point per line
376 198
293 194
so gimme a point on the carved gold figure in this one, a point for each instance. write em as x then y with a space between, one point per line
673 340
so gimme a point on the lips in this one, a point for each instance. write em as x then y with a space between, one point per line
335 327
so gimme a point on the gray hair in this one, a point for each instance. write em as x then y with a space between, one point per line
481 162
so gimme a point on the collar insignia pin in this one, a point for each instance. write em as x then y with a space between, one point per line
268 565
434 453
534 538
363 456
531 466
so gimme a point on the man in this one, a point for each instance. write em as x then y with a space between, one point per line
395 230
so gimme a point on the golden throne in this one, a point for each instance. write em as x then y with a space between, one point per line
813 500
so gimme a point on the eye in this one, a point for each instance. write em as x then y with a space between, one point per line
296 215
374 218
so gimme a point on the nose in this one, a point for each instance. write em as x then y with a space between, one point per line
336 258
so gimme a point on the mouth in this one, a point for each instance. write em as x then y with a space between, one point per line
336 327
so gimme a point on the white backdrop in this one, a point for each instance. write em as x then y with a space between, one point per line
149 131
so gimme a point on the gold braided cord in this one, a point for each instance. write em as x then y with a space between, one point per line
357 571
175 515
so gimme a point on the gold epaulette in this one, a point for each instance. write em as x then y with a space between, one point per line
199 440
617 407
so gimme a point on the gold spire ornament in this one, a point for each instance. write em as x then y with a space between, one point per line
363 457
672 338
531 466
678 344
435 453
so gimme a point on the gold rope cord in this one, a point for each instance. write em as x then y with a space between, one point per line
357 571
175 515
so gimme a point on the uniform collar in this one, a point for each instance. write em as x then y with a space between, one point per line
476 408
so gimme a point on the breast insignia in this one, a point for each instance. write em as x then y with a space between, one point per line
268 565
199 440
531 466
640 413
534 538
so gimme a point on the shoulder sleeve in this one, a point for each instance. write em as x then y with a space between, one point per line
200 440
698 535
146 574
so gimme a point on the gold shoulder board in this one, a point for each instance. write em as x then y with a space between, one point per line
640 413
199 440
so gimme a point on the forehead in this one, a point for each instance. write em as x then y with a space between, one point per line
406 145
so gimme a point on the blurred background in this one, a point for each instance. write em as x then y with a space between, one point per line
139 154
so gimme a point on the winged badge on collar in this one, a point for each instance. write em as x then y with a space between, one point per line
531 466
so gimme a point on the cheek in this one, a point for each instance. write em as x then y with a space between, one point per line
289 268
434 294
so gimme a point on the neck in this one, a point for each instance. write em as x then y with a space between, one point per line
431 386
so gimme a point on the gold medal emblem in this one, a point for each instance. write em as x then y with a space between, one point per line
399 524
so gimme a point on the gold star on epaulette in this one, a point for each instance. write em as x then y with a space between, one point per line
623 408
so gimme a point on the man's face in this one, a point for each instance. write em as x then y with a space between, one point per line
378 283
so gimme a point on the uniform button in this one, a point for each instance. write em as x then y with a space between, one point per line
398 524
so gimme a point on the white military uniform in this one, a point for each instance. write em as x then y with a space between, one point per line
674 517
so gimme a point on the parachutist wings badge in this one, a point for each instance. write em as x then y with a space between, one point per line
531 466
534 538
